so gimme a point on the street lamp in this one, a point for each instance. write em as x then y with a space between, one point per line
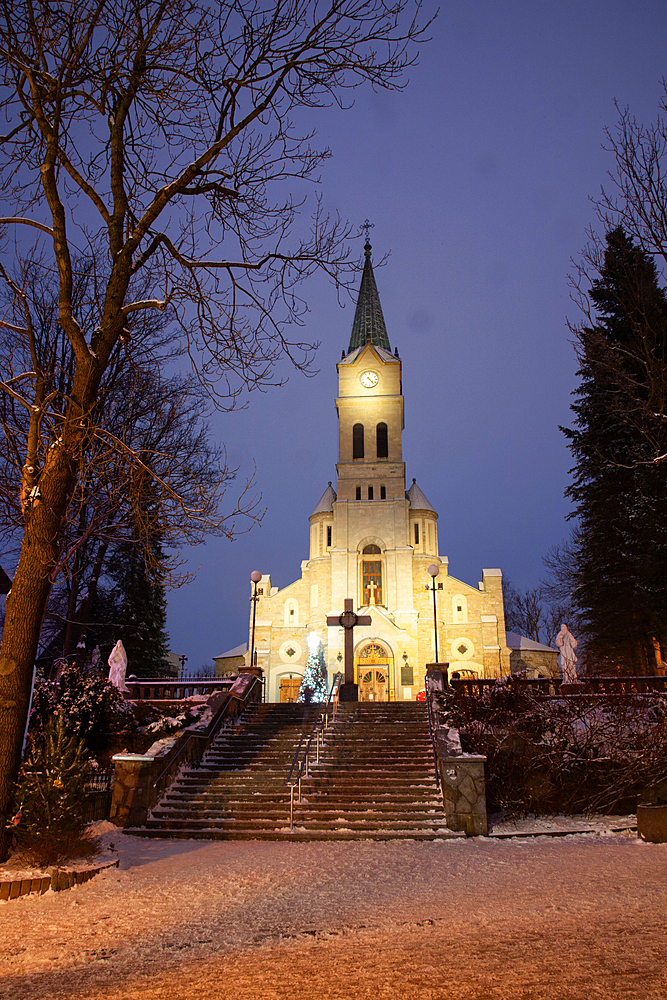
433 571
255 576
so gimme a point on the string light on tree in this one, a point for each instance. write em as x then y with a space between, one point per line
314 683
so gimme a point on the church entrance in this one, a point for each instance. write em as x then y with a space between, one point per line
374 673
289 689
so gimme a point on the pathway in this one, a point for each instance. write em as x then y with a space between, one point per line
578 917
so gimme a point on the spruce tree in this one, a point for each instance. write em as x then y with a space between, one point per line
52 783
313 687
142 608
618 490
138 568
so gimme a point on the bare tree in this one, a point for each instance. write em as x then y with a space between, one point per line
116 500
164 140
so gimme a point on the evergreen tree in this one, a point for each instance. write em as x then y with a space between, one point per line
52 783
619 492
314 684
141 607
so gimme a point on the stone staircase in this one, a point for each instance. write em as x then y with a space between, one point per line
375 780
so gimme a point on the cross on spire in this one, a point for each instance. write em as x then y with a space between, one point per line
367 225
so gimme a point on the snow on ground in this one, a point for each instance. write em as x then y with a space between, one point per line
580 916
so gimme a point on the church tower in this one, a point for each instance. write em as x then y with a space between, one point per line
373 541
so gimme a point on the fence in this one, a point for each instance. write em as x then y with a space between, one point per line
474 687
97 802
157 689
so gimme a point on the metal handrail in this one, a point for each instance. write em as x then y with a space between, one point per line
213 730
429 712
324 718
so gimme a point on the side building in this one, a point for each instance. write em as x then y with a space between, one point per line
373 541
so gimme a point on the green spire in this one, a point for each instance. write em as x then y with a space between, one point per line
368 326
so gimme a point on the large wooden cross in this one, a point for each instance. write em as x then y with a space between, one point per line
349 620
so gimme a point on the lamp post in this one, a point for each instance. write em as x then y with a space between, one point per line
255 576
433 571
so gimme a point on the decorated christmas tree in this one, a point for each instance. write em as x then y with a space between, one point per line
50 794
314 683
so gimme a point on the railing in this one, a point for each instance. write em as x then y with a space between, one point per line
159 689
474 687
429 712
623 685
324 718
216 724
97 796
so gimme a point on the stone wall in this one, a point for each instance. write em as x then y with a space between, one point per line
141 779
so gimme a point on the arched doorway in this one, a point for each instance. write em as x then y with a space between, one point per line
374 667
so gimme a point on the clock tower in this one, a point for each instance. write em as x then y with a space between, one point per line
369 405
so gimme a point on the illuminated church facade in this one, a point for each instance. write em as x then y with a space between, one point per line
373 541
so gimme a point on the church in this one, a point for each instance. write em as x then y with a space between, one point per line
373 541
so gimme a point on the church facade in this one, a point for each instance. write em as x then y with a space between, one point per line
373 541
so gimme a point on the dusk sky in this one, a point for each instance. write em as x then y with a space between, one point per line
478 179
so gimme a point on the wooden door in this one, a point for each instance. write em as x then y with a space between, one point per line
373 672
289 689
373 683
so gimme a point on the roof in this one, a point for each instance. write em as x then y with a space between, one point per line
326 501
417 499
236 651
368 325
349 359
516 641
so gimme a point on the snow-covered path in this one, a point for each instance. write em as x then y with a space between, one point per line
576 917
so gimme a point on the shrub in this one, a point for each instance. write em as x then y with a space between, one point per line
95 710
564 755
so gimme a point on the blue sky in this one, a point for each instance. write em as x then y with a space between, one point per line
478 179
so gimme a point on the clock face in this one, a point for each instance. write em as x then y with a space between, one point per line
369 379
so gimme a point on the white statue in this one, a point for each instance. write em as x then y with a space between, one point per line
567 645
118 663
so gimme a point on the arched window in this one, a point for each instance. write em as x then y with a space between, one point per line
370 492
382 443
291 612
459 608
358 441
383 493
371 575
358 493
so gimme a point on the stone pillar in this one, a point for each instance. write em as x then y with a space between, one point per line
131 793
464 793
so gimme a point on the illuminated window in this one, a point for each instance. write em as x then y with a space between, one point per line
358 441
291 612
371 575
381 439
383 493
459 608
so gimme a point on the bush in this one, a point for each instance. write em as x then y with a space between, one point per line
95 710
564 755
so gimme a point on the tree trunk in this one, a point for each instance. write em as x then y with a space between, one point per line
26 604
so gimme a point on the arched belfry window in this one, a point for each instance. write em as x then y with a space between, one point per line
358 441
382 441
371 575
